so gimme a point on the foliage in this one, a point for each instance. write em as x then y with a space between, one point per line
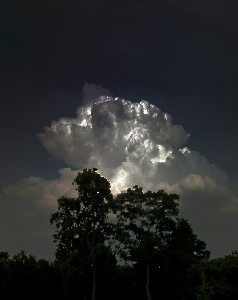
155 239
219 275
182 252
23 276
164 258
75 276
81 221
206 290
145 223
83 227
225 277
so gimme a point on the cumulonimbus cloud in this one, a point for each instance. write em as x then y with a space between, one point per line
118 137
134 143
130 143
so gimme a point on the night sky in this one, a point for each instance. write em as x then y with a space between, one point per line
180 56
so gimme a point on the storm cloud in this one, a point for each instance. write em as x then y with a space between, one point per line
130 143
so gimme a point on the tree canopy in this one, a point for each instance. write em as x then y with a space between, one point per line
163 256
149 229
82 227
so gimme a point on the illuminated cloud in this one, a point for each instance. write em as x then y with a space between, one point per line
136 143
130 143
117 136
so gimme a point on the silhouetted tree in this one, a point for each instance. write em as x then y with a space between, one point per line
23 276
151 235
215 279
83 227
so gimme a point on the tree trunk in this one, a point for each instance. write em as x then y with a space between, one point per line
94 282
147 283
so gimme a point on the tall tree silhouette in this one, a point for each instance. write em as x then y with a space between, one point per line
148 226
82 224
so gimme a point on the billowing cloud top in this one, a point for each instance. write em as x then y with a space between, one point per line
130 143
126 141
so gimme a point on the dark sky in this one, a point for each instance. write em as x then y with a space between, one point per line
179 55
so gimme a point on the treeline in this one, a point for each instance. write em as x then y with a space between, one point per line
163 258
25 277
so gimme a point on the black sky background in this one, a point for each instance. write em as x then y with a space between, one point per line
179 55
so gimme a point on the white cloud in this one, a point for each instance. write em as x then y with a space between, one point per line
136 143
113 133
131 143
